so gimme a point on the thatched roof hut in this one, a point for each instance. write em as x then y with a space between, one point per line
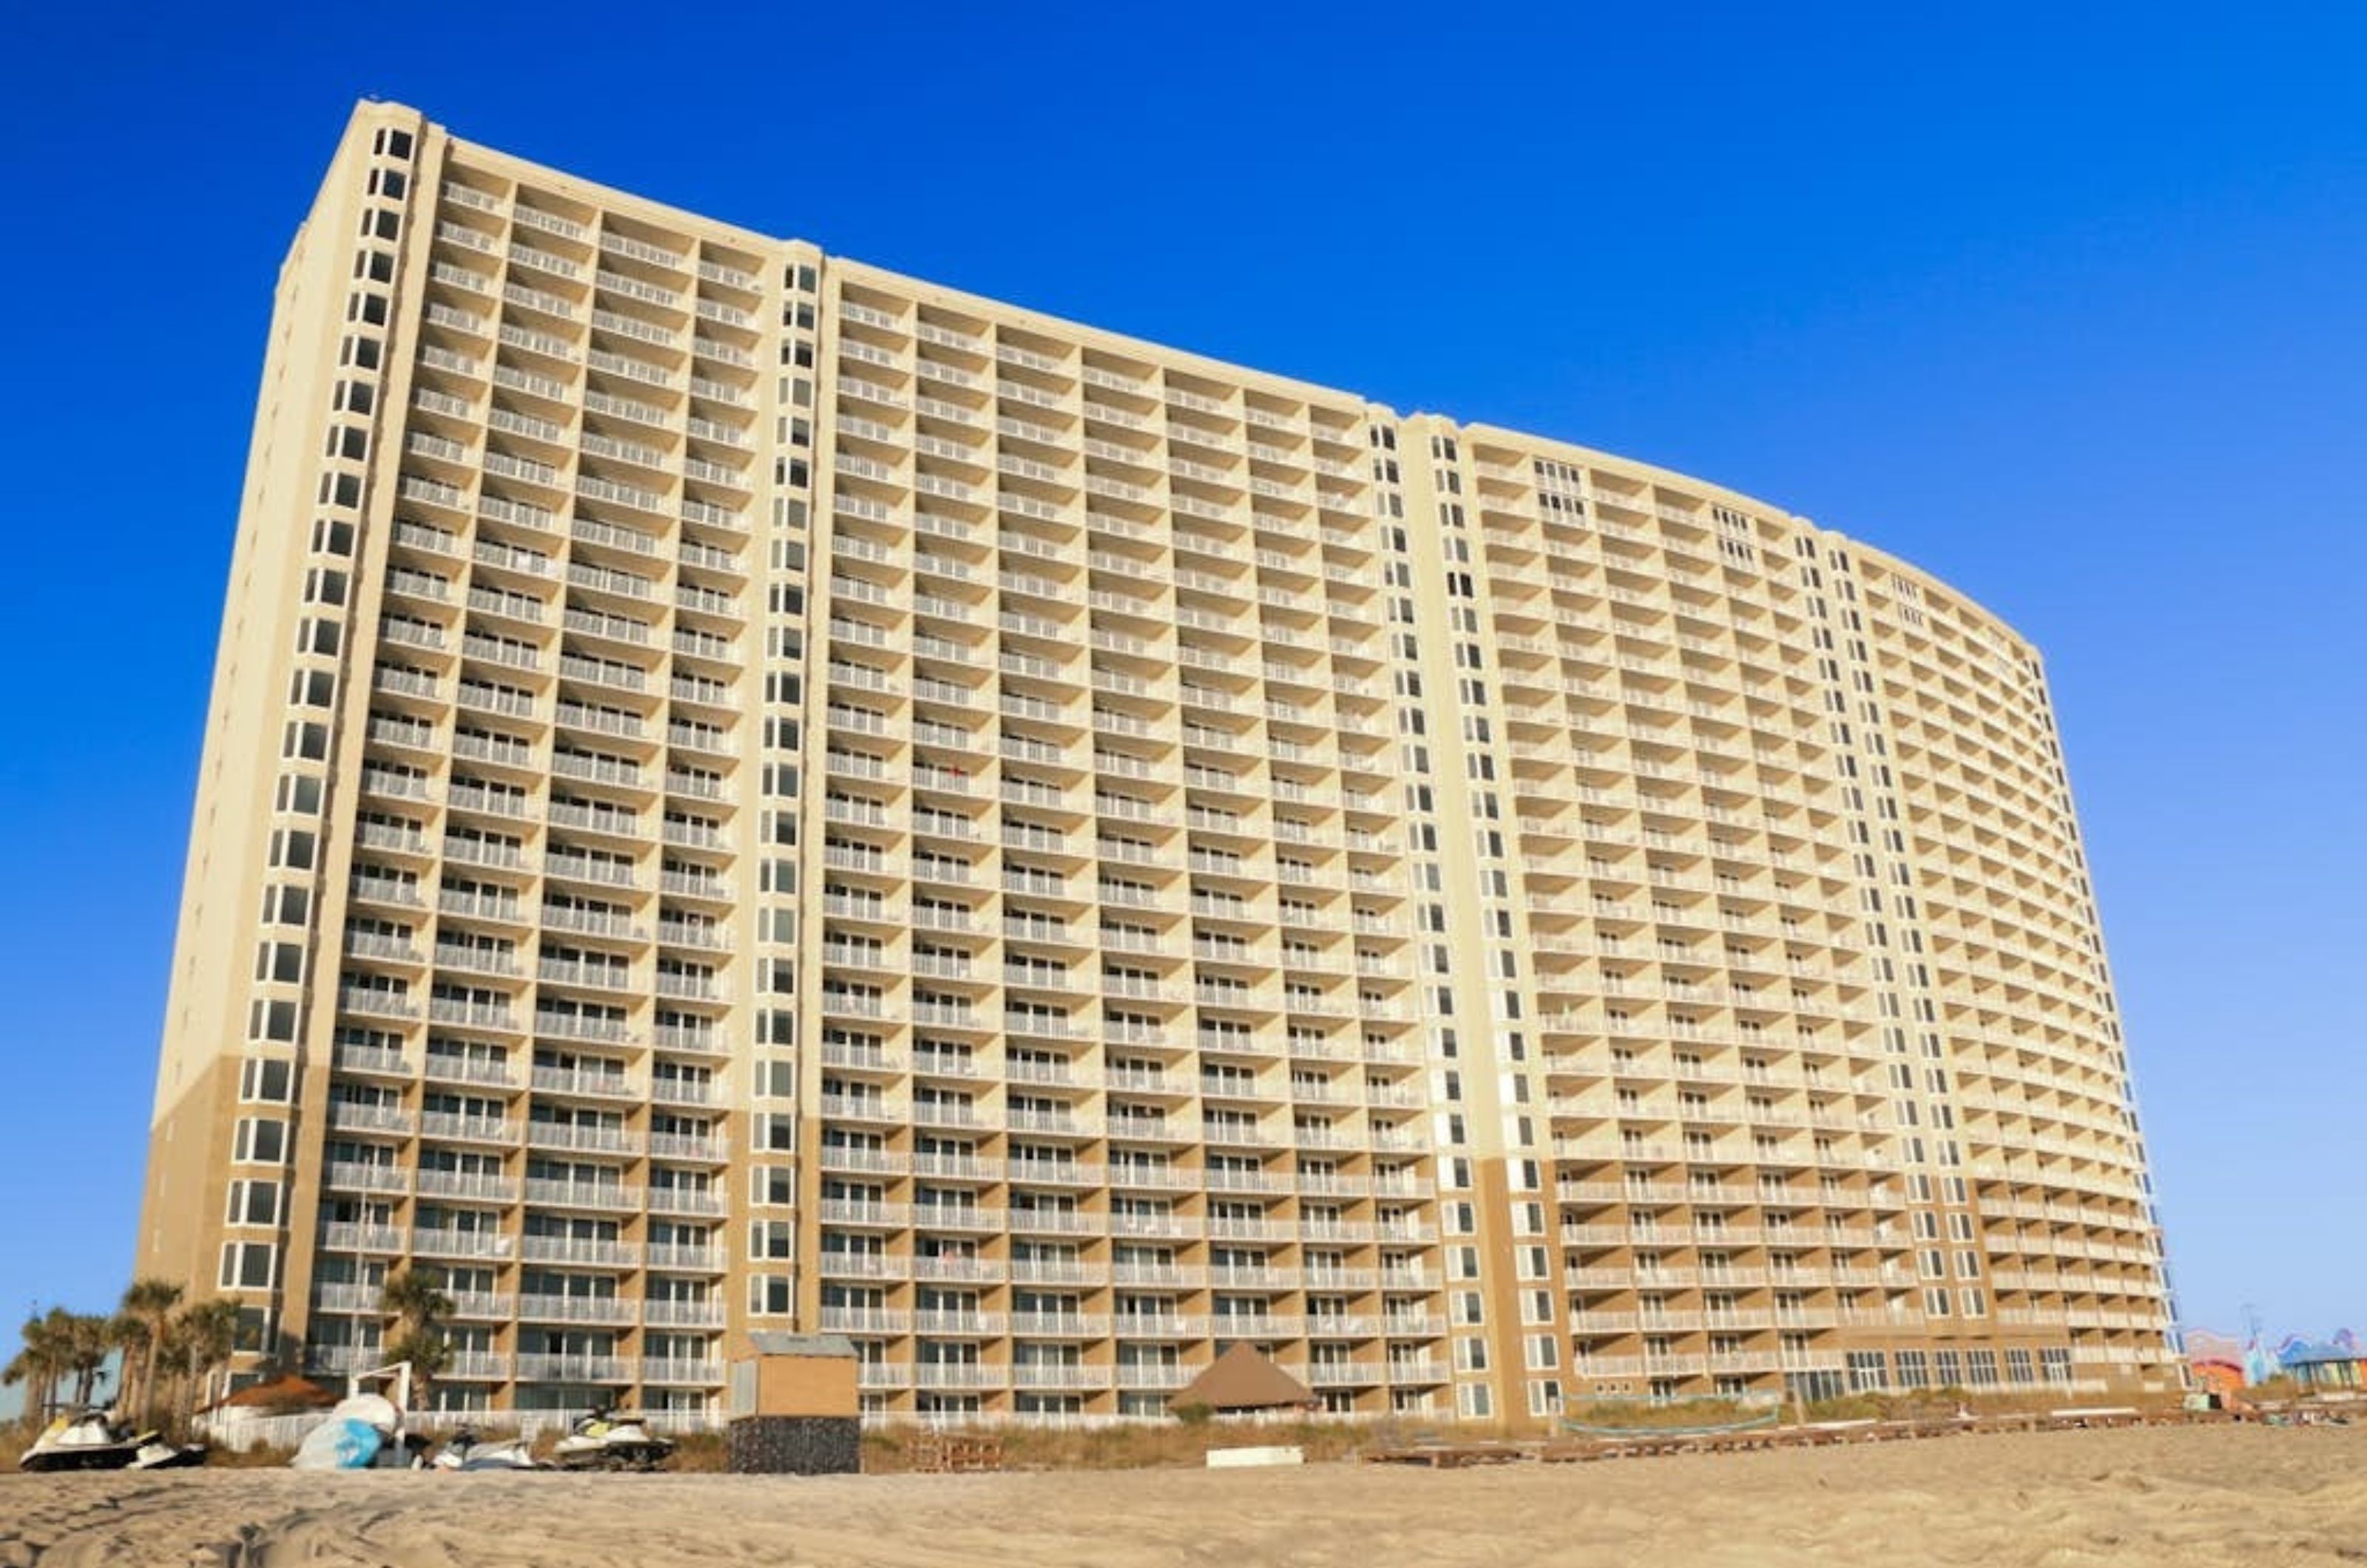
284 1395
1242 1381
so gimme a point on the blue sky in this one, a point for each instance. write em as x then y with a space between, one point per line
2063 304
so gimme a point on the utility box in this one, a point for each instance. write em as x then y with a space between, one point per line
792 1406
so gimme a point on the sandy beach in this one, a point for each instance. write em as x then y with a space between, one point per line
2246 1496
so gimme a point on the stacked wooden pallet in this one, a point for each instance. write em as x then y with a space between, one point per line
940 1453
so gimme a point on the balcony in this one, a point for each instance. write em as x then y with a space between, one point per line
575 1368
474 1015
373 1061
375 1003
581 1083
445 1127
1058 1375
693 1202
476 1366
1154 1374
363 1298
346 1237
690 1147
352 1116
681 1372
605 1195
661 1313
481 1186
486 1246
607 1311
589 1137
354 1175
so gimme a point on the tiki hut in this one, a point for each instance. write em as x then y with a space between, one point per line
1242 1382
287 1395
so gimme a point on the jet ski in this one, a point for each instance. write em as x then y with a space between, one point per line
466 1450
603 1439
91 1439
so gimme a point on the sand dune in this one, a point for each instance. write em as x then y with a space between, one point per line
2259 1497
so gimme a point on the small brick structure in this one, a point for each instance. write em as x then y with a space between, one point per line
794 1445
793 1407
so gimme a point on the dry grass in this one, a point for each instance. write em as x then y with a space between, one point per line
1640 1414
1924 1404
1151 1446
701 1454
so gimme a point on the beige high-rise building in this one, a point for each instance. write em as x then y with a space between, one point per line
745 791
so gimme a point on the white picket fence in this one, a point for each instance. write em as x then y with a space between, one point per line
260 1431
287 1431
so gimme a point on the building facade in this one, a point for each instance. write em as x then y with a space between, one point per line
745 791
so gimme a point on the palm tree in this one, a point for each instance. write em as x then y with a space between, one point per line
415 1299
36 1365
83 1342
200 1340
148 1305
125 1336
429 1353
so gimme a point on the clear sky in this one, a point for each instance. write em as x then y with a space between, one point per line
2062 302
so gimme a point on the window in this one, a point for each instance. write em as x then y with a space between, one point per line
772 1186
264 1080
286 906
260 1141
294 849
279 960
253 1204
247 1265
